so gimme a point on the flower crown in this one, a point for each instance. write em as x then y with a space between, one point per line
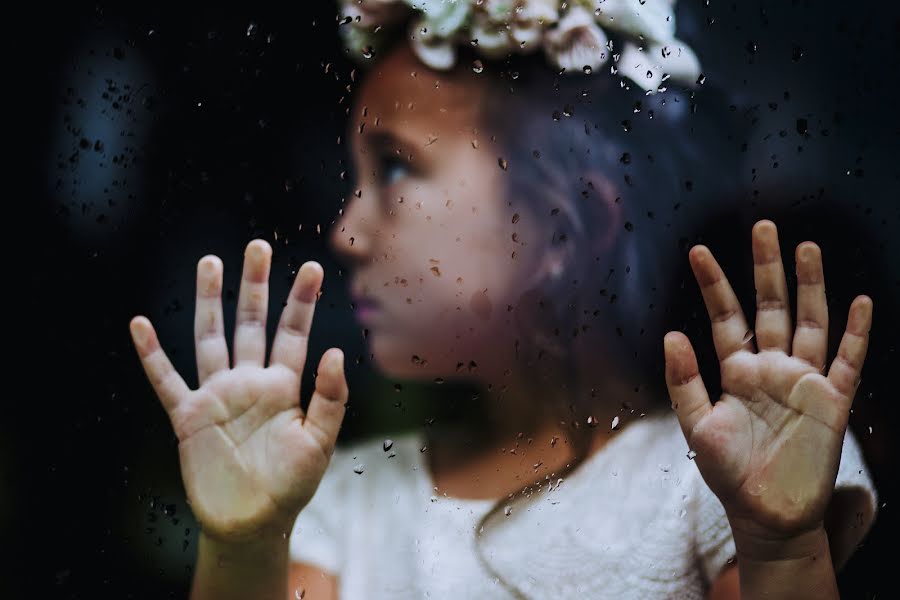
572 34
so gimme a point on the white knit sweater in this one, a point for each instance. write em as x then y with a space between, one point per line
636 520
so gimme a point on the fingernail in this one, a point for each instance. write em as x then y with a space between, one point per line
337 362
139 332
669 342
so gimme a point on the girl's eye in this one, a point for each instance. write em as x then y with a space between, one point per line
392 169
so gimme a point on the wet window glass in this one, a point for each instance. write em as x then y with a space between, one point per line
457 298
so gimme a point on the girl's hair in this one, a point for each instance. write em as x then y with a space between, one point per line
567 139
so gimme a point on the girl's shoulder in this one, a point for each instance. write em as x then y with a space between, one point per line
361 476
366 466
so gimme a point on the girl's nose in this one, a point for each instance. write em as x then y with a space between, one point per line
351 237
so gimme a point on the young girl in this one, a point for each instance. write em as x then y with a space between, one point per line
511 226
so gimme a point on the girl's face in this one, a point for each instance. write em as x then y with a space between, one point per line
429 235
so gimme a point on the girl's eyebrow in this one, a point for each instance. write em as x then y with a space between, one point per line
385 140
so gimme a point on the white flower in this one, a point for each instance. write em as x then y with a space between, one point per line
653 19
370 13
576 42
433 35
677 60
499 27
359 42
491 38
439 55
530 18
647 66
442 18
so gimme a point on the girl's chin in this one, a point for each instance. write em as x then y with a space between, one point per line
407 362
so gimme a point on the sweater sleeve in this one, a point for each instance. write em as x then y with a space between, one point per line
714 543
315 538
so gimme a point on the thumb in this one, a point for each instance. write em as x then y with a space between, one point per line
327 407
690 399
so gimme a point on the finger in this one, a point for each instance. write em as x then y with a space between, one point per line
846 368
209 326
166 382
253 304
773 309
811 337
690 399
729 326
292 336
328 404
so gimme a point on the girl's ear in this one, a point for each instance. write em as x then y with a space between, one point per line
603 224
605 230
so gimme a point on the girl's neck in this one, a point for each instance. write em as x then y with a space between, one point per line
510 448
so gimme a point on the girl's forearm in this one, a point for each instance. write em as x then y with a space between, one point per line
256 570
797 569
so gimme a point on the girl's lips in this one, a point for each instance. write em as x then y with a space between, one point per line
366 311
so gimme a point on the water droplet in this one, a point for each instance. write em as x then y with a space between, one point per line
757 489
504 164
592 421
691 454
747 336
300 592
388 444
507 511
358 469
615 423
477 66
588 70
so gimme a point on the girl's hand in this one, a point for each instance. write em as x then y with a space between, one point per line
771 446
250 458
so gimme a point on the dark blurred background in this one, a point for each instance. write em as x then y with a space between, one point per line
156 134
